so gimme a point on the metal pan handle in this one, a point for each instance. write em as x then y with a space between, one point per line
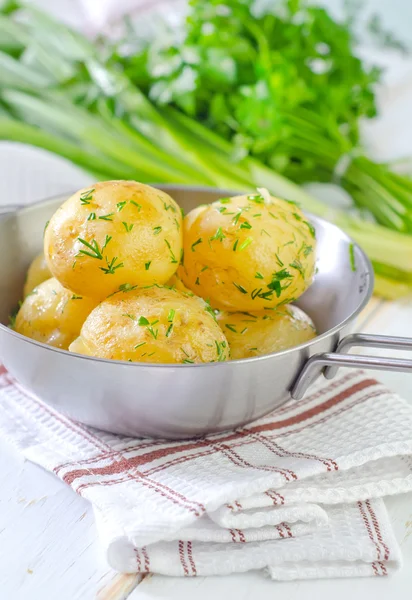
333 360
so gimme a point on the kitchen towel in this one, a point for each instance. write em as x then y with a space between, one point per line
297 494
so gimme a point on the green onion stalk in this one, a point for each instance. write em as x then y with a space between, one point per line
374 187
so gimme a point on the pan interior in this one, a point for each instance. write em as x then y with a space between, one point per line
337 293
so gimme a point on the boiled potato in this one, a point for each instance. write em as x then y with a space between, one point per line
248 252
258 333
53 315
37 273
156 325
114 234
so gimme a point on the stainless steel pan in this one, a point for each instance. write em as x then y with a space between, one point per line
178 401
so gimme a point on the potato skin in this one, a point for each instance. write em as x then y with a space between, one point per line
135 231
259 333
37 273
248 252
155 325
53 315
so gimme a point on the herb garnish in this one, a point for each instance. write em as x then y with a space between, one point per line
305 249
111 267
107 217
86 196
231 327
245 244
245 225
74 297
210 310
95 251
157 230
240 288
219 235
277 277
121 205
193 246
170 318
169 207
172 256
147 265
138 206
258 198
128 227
236 218
143 322
311 228
129 316
352 257
220 346
126 287
296 264
106 241
91 217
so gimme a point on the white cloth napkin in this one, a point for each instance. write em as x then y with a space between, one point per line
297 494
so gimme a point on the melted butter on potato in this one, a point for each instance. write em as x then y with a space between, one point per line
37 273
113 233
259 333
53 315
155 325
248 252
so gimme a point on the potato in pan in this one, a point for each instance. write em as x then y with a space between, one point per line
53 315
111 234
248 252
158 324
38 272
265 332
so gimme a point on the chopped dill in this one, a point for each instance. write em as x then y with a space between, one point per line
241 289
193 246
107 217
128 227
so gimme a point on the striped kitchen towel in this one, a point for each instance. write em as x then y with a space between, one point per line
297 494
